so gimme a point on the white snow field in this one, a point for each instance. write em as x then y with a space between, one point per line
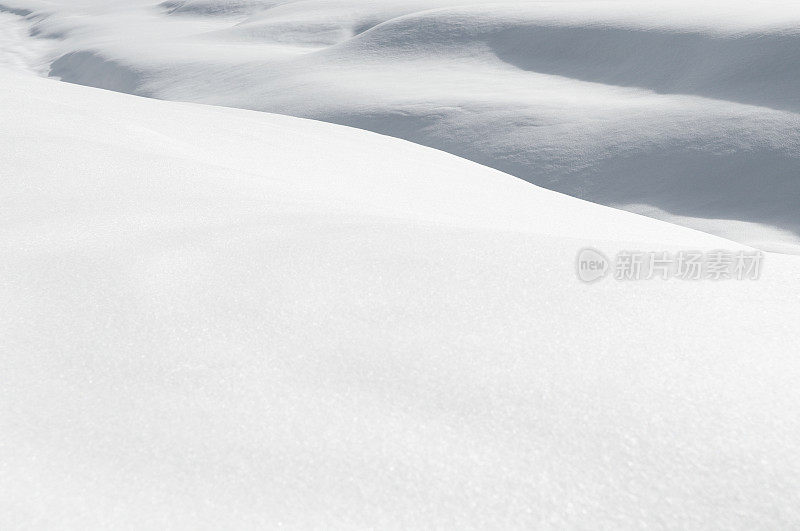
683 111
216 318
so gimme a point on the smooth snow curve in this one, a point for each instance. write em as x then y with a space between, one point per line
216 318
688 113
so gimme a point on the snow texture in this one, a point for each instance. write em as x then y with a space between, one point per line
216 318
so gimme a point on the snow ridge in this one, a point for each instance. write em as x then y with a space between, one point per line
689 115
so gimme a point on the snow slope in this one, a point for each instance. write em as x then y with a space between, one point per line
216 318
682 111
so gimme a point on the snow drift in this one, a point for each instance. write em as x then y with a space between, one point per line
221 318
680 111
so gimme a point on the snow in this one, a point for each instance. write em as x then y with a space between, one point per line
214 317
221 318
684 112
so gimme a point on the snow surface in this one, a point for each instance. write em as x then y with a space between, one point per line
214 318
217 318
684 111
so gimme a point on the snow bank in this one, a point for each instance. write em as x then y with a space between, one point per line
215 318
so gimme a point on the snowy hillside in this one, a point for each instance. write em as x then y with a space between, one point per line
218 318
680 111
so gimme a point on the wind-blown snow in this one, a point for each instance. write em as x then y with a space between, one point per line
216 318
680 111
